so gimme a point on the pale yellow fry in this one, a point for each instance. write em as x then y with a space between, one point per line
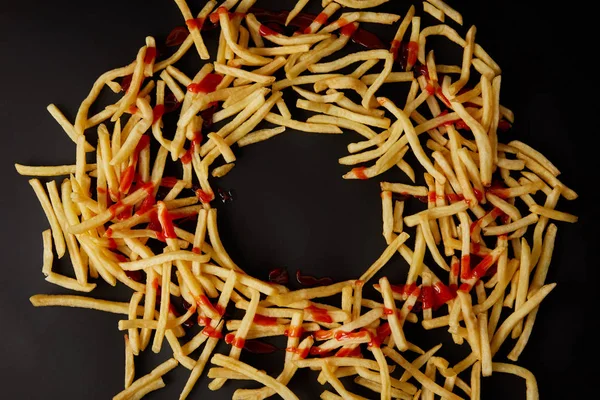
508 324
179 255
302 126
340 112
553 214
57 233
69 283
344 123
223 147
412 137
223 170
260 135
384 257
530 381
246 75
296 10
57 170
66 125
511 227
254 374
536 155
48 256
418 375
307 294
156 373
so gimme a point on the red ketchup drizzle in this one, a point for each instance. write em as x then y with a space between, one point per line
150 55
204 197
430 89
346 352
171 103
465 266
348 30
112 243
431 197
208 84
504 125
387 311
168 181
302 353
157 112
460 124
381 333
137 276
310 281
202 300
266 31
279 275
341 335
294 332
478 194
413 50
319 314
427 297
194 23
315 351
441 295
323 334
168 230
259 347
230 338
321 18
126 82
360 172
482 267
212 332
177 36
404 290
203 320
394 48
262 320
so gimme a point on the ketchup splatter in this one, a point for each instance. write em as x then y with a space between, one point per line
171 103
266 321
264 30
208 84
360 172
319 314
212 332
348 30
177 36
413 50
157 112
225 195
310 281
194 23
137 276
279 275
302 353
259 347
294 332
346 352
126 82
150 55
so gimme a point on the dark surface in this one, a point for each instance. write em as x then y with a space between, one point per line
292 208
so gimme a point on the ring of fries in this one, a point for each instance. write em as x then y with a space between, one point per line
117 221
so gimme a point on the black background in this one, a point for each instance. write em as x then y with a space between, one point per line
292 208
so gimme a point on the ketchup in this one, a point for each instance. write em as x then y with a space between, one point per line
319 314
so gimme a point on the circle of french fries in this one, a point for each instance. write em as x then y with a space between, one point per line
97 210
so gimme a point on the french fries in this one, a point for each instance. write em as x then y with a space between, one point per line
108 218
